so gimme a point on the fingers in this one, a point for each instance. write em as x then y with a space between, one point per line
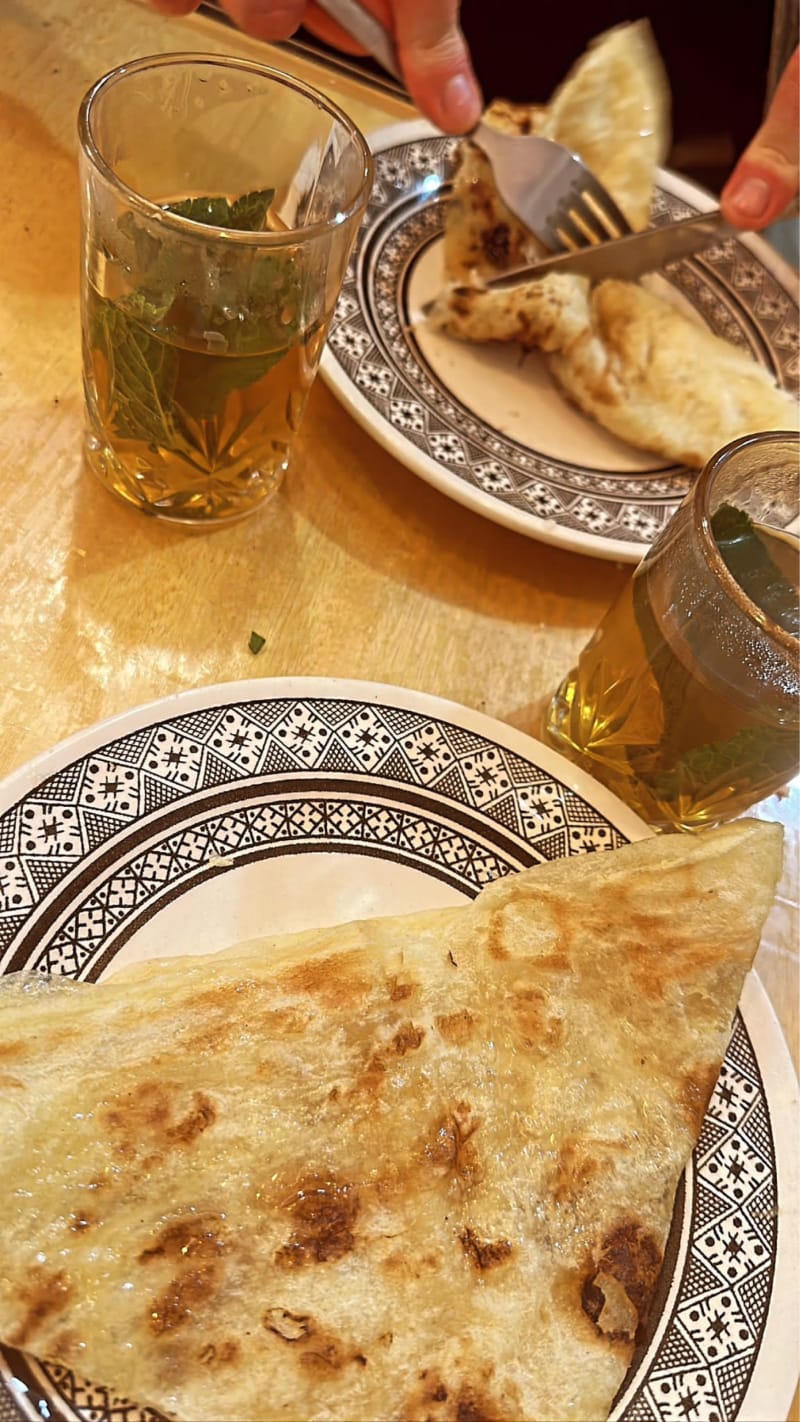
436 62
433 55
175 7
433 52
327 29
765 180
266 19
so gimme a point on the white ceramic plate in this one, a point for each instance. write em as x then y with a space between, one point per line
234 811
488 428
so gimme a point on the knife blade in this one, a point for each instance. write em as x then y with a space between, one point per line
628 257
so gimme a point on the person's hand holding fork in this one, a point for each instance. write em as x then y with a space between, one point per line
438 71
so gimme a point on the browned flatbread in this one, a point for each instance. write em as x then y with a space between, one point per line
411 1168
631 360
613 109
661 381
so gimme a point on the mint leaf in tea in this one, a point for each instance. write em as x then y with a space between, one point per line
763 562
246 214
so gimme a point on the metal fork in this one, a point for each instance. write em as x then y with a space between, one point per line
549 189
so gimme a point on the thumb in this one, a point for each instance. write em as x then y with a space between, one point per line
765 179
436 62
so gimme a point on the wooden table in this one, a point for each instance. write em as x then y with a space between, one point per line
357 569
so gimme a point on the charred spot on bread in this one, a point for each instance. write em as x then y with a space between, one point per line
496 243
142 1123
455 1027
180 1301
222 1353
202 1115
323 1212
291 1327
44 1295
407 1038
191 1237
317 1348
451 1147
193 1247
485 1254
399 991
617 1293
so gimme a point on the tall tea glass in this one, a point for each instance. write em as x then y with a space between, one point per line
220 204
686 701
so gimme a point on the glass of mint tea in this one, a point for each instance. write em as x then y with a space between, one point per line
686 702
220 203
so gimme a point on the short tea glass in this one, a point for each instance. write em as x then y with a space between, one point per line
220 203
686 701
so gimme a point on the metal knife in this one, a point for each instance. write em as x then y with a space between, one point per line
628 257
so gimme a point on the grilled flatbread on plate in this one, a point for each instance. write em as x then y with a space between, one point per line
613 109
628 358
410 1168
632 361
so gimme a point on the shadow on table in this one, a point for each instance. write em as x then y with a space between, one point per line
391 520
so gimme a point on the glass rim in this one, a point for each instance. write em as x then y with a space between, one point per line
702 523
187 227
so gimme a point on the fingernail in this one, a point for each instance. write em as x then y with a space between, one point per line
460 102
753 197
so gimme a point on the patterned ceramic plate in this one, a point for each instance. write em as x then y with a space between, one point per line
488 428
224 813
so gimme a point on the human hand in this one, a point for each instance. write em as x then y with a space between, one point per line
765 179
433 52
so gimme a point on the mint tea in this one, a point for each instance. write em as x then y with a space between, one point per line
195 384
206 295
654 710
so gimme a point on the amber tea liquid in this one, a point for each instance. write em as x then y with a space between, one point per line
653 723
183 429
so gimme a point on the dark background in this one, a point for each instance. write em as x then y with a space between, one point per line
716 54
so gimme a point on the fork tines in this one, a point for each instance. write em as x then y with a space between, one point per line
585 216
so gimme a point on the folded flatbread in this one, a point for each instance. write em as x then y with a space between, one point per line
613 109
630 359
409 1168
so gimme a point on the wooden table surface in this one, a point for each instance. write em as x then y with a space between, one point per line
357 569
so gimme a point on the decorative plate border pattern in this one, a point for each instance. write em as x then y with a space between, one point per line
91 850
372 346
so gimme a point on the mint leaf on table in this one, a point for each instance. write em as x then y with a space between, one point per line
256 643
